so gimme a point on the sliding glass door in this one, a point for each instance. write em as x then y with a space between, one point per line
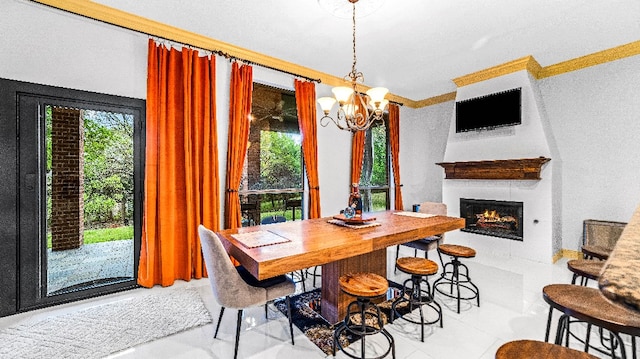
80 170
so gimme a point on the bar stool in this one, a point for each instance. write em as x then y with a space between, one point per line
586 269
452 276
594 251
412 292
363 317
589 305
533 349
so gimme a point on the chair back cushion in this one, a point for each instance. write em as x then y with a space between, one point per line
229 289
433 208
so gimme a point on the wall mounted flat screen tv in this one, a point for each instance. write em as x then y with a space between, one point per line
488 112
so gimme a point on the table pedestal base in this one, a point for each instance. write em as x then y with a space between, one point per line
334 301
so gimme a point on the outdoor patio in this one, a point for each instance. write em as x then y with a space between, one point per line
89 263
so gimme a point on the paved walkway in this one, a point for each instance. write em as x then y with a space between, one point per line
89 263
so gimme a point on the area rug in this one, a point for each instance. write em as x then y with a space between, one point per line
104 329
305 316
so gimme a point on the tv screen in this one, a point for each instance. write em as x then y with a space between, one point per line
487 112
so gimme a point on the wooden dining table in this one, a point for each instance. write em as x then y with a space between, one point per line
268 251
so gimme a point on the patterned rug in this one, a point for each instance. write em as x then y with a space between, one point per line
315 327
104 329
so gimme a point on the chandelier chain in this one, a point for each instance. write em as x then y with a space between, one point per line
353 18
354 76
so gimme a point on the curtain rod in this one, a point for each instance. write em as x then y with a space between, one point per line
230 57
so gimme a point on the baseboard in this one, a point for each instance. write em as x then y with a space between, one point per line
566 253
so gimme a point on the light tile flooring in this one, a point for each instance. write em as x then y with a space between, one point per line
511 308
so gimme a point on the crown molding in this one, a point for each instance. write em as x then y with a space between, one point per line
436 100
524 63
597 58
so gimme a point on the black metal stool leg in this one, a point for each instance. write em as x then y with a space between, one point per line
546 334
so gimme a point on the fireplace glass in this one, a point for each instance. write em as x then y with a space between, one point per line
492 218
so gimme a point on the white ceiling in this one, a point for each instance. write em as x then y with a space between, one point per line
413 47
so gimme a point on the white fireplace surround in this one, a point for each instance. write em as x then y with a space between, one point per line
541 198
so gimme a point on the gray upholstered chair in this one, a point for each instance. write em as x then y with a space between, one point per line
234 287
429 243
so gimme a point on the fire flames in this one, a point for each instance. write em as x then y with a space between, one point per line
491 218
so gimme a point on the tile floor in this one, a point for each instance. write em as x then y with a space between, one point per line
511 308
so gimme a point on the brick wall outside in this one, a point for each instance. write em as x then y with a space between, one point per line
67 188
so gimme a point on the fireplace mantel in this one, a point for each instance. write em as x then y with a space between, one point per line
514 169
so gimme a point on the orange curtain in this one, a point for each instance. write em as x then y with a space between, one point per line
181 170
239 111
357 155
394 138
306 104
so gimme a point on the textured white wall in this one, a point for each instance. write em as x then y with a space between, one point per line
423 139
47 46
595 118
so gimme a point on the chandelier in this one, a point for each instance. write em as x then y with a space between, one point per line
356 111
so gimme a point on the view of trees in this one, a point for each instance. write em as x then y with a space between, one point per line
280 161
374 169
108 168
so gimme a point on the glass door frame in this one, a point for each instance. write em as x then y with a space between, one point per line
32 239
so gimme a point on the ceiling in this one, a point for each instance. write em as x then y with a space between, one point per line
413 47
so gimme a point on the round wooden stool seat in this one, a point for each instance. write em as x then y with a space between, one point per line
363 284
590 306
526 349
588 268
363 317
456 250
417 265
598 252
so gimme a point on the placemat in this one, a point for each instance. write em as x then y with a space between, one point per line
354 226
415 214
259 239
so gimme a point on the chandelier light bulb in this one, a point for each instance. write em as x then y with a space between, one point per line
377 94
326 104
380 106
342 94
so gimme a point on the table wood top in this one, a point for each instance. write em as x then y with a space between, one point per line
315 241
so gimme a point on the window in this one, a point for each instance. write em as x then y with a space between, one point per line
374 180
272 181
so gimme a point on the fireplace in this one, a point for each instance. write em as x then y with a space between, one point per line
492 218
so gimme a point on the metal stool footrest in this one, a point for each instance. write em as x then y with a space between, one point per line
366 320
452 276
416 297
